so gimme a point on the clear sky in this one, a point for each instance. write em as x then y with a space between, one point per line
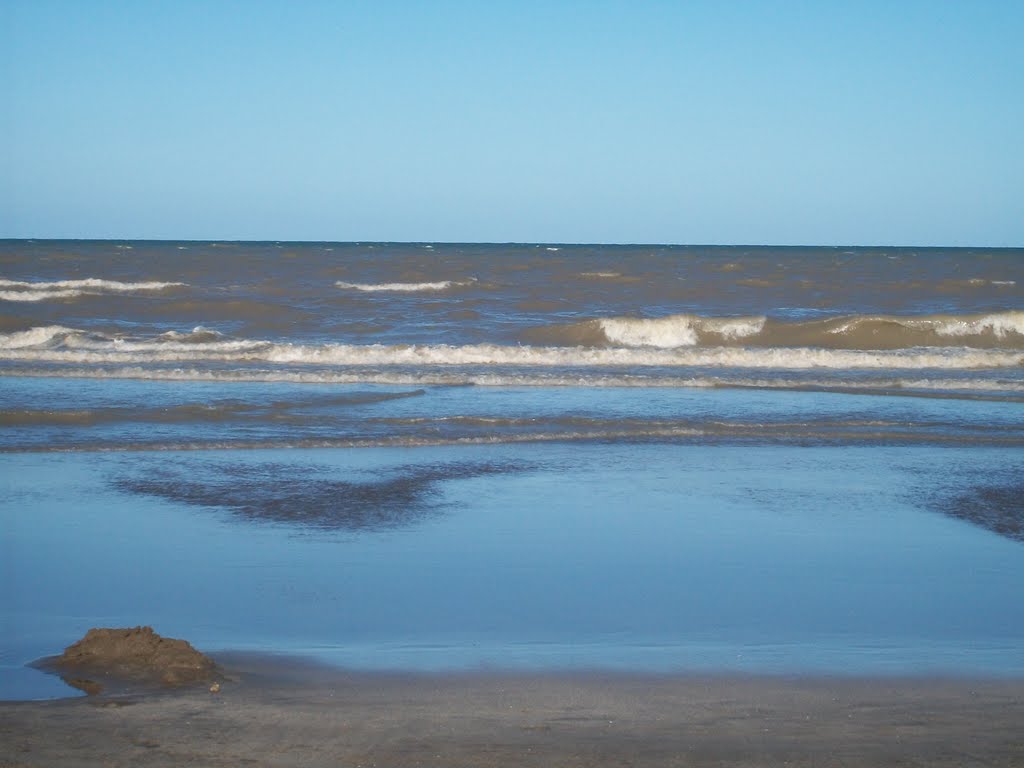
671 122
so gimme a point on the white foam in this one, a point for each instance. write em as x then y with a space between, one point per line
441 285
39 295
999 324
23 290
91 283
676 330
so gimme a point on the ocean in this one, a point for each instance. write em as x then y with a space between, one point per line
454 456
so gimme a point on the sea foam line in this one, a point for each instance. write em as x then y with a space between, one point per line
57 345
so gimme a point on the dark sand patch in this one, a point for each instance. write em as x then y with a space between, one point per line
997 507
277 714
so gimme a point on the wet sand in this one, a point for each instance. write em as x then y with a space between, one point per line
283 713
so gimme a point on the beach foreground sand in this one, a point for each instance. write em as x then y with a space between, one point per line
280 713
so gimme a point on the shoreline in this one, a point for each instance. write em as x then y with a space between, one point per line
279 711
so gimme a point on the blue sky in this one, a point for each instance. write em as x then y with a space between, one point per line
668 122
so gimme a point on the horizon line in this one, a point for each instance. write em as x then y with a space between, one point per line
539 243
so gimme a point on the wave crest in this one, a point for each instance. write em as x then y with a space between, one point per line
198 335
440 285
852 332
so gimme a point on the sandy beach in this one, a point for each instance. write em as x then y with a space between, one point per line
275 712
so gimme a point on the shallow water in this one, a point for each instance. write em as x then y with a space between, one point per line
655 557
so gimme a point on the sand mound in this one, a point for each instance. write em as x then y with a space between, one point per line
136 654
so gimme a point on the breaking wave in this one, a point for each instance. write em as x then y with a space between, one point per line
851 332
58 344
22 290
677 330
